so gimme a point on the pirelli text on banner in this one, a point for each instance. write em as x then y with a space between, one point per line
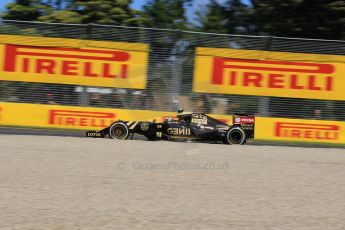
300 130
307 131
31 61
75 118
229 71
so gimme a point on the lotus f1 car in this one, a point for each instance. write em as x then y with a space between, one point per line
187 126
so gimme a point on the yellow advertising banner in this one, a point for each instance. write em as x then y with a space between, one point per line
281 129
73 117
73 61
265 73
87 118
70 117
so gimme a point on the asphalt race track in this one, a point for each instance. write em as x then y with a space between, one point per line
56 182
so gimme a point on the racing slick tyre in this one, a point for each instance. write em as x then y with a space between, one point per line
119 130
235 136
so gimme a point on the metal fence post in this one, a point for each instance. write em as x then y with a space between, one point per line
264 101
83 95
177 56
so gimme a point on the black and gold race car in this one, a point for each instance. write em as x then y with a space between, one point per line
187 126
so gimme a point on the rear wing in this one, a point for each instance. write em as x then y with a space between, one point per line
247 123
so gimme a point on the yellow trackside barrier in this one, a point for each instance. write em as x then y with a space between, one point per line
70 117
281 129
73 117
89 118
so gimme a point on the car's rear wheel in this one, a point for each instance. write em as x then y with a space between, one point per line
119 130
235 136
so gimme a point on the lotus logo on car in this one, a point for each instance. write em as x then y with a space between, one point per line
308 131
94 134
81 118
144 126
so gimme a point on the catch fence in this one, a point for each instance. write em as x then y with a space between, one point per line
169 83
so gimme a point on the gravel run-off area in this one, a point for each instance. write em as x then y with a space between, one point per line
78 183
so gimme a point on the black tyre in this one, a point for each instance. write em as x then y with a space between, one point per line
235 136
119 130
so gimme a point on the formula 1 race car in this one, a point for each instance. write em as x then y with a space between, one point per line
187 126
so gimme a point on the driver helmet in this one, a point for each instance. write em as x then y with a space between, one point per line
179 111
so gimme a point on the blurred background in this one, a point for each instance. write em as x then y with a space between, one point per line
173 29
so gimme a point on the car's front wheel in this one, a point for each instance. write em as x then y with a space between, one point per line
119 130
235 136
